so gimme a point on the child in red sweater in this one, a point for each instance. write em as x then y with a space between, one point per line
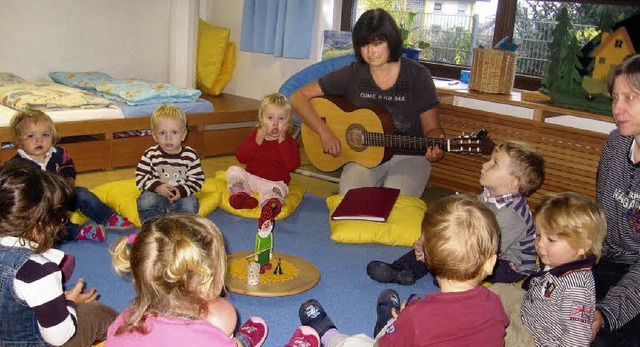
270 153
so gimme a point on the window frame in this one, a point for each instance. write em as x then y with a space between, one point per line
505 22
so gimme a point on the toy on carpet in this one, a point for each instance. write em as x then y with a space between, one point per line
264 238
248 272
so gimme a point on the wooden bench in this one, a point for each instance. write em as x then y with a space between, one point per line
93 146
571 154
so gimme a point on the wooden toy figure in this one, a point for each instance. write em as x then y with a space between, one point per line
264 239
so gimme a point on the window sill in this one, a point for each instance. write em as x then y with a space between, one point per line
453 72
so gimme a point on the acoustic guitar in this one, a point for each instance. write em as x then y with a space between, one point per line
367 136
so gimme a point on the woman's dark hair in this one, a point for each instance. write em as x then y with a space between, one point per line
377 25
34 204
630 67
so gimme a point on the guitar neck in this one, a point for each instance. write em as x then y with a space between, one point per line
404 142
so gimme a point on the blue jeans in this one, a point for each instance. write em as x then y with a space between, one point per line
152 205
91 206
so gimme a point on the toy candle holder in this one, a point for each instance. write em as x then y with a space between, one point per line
253 273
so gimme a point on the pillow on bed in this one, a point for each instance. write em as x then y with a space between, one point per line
212 43
226 70
82 80
291 201
48 95
402 228
9 78
121 196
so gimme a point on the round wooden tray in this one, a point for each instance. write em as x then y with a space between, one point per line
308 277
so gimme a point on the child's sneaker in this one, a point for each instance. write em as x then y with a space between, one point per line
312 314
387 300
304 336
253 332
92 232
116 222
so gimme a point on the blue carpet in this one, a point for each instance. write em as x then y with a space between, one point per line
346 292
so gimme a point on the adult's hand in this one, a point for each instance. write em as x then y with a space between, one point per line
330 143
434 153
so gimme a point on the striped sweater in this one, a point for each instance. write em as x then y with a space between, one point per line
559 304
38 283
517 230
181 170
618 192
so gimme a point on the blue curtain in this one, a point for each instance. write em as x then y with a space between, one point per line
283 28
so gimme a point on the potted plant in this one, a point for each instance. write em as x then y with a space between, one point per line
410 48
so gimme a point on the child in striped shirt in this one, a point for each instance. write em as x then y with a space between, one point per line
169 173
35 309
560 299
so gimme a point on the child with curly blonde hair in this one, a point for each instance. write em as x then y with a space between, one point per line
560 299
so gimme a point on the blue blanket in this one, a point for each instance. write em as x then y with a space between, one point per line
130 91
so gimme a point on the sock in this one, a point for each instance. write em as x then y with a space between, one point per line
242 200
273 204
328 336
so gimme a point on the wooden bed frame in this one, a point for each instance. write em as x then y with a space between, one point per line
571 154
92 145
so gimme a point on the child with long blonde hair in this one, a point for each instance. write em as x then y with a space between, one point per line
178 265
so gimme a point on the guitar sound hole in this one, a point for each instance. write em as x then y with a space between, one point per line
355 137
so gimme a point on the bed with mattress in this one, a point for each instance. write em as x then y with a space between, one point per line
105 125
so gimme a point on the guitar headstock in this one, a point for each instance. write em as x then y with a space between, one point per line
473 144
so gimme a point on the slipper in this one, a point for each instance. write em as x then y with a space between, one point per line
387 300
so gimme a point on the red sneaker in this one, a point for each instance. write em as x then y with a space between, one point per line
253 332
92 232
304 336
116 222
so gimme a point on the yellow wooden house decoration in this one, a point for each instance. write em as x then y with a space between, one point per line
613 48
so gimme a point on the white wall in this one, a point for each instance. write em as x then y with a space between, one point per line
131 38
259 74
125 38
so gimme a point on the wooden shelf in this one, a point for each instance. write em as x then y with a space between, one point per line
541 109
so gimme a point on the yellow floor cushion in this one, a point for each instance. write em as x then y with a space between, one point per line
121 196
291 201
402 228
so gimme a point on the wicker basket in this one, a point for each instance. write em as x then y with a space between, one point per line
493 71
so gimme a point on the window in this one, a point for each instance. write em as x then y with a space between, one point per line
462 8
530 22
618 43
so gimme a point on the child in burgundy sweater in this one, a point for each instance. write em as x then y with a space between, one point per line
270 153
